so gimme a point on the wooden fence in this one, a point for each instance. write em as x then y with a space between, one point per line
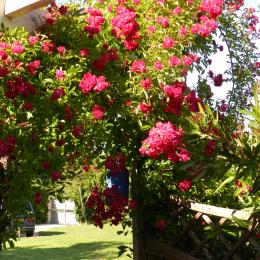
206 232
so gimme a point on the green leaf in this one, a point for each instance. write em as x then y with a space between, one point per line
246 112
201 109
228 180
193 132
145 127
121 252
122 247
256 186
237 192
240 222
140 123
109 124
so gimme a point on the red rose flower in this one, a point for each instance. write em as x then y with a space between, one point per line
55 175
184 185
37 198
161 224
98 112
46 165
218 80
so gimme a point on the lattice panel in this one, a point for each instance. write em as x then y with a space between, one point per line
215 230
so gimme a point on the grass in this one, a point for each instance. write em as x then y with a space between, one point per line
71 242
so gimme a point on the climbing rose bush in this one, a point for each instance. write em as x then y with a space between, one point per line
107 81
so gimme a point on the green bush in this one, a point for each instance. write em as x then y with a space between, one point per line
79 189
41 212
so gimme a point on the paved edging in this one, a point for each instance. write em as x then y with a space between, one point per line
44 227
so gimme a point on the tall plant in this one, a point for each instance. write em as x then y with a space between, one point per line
106 82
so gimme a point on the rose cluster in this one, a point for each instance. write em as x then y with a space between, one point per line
98 112
7 145
54 12
125 27
19 86
175 94
205 27
212 7
106 57
193 101
165 139
57 93
33 66
107 205
115 164
138 66
92 82
94 21
184 185
210 147
252 19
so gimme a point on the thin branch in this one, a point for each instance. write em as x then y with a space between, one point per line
231 64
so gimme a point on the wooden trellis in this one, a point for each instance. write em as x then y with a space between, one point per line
215 220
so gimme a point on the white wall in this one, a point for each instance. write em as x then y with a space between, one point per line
61 213
24 13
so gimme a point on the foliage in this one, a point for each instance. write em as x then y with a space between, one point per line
243 68
41 211
79 189
105 84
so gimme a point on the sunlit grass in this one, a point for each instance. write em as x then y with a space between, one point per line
71 242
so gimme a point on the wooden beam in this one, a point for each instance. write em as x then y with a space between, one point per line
15 8
213 210
158 249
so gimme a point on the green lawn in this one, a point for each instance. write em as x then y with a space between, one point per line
72 242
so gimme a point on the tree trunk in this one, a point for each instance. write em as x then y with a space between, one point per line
82 206
138 235
138 219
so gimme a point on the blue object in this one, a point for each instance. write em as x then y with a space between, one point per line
120 181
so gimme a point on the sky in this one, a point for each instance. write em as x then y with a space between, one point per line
220 62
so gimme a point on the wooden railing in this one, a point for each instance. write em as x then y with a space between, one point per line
205 232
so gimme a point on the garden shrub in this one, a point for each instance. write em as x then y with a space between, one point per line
106 82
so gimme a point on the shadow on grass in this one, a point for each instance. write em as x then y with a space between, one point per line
83 251
50 233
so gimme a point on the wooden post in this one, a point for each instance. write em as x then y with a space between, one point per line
138 235
138 220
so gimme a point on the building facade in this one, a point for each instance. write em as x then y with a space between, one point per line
26 13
